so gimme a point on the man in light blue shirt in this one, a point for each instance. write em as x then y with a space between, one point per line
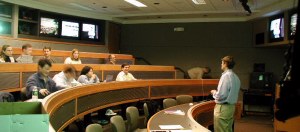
226 96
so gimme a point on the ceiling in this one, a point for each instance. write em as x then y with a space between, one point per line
160 11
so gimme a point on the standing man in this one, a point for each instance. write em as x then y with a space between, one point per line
226 96
26 54
47 54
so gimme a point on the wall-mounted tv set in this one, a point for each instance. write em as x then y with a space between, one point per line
89 31
276 28
49 26
292 24
261 80
69 29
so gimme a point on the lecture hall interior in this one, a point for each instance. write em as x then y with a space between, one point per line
149 65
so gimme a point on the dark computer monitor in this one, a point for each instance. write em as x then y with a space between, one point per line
261 80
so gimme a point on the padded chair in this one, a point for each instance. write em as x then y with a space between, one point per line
132 115
168 102
118 124
146 112
94 128
182 99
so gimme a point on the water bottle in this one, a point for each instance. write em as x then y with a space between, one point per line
35 94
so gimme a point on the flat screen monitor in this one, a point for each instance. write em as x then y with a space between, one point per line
49 26
89 31
276 28
292 25
69 29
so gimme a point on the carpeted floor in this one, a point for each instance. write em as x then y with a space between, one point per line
254 123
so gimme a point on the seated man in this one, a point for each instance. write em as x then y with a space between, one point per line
47 54
26 54
41 80
66 78
124 75
111 59
199 72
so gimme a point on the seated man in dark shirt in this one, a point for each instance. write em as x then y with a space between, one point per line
41 80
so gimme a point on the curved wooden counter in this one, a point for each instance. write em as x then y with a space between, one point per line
201 115
67 105
202 112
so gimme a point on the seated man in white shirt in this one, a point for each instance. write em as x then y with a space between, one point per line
25 57
66 78
124 75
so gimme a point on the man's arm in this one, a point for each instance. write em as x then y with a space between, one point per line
31 82
60 82
132 77
222 92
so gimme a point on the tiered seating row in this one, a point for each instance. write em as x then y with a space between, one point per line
86 57
14 76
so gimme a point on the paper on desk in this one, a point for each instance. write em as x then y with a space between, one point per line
175 112
170 127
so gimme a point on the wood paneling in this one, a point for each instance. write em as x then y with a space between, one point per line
114 93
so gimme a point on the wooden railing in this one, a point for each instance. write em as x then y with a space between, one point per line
67 105
202 115
14 76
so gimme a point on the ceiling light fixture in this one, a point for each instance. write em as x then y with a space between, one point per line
199 2
136 3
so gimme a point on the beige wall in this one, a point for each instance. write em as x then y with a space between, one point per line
201 44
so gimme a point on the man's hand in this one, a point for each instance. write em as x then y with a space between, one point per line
213 92
44 92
